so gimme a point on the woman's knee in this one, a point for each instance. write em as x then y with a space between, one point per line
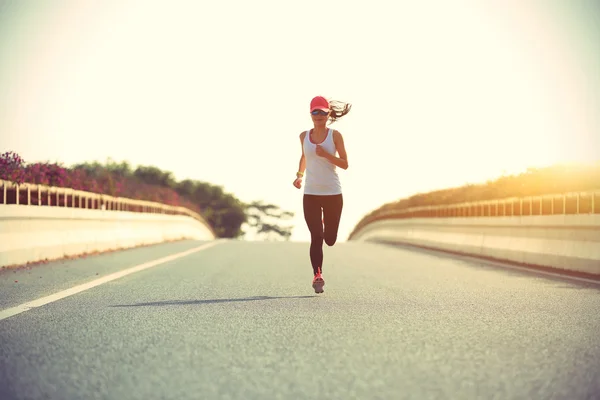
330 239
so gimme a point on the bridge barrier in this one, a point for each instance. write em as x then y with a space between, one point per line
39 222
562 232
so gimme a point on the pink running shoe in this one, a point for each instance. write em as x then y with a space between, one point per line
318 282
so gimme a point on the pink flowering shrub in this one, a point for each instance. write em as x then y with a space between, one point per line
14 169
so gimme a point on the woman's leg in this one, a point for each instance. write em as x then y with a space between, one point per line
332 213
312 216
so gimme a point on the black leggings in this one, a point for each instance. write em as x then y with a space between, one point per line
331 206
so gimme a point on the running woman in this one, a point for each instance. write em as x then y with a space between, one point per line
323 199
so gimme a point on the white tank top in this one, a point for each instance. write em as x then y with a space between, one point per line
321 175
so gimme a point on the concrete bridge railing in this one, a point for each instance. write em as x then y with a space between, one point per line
39 222
560 231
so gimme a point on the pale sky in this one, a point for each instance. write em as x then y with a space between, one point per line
444 93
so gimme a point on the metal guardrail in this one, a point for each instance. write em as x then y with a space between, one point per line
569 203
43 195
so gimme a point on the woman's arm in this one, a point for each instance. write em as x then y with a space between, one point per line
342 160
301 164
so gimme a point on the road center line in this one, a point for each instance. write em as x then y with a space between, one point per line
9 312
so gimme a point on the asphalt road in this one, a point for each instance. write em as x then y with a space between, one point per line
240 320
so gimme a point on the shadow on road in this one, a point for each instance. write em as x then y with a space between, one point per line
208 301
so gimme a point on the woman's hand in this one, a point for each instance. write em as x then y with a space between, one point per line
321 152
298 183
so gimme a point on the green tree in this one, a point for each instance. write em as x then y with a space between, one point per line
223 211
265 220
155 176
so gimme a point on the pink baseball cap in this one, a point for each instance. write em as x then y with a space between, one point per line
319 103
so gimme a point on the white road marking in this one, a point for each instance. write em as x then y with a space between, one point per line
9 312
